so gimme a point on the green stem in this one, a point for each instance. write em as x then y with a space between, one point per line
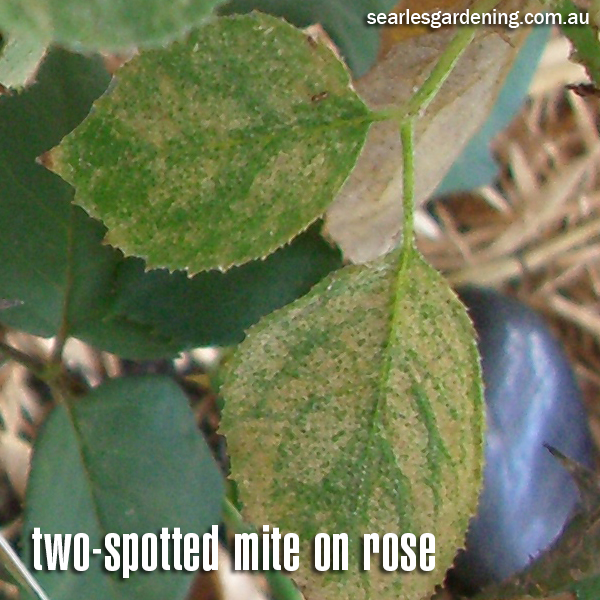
407 128
446 63
420 100
63 331
36 367
282 587
233 518
61 382
417 104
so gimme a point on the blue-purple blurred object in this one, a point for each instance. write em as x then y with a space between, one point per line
532 399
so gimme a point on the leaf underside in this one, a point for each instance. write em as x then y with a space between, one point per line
219 149
358 409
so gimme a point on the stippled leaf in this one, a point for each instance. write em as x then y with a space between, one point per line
358 409
62 278
102 24
344 21
220 148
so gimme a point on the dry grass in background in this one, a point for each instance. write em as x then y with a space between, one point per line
536 234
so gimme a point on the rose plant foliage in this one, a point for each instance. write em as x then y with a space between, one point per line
182 204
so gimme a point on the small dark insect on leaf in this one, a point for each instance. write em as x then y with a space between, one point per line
584 89
318 97
312 42
9 303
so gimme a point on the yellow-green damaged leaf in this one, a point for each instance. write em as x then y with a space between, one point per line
359 409
219 149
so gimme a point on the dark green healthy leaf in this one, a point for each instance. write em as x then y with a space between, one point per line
127 459
62 274
39 253
215 308
66 278
344 21
37 119
109 25
113 303
52 258
219 149
475 166
359 409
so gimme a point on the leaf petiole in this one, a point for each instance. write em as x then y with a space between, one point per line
36 367
446 63
408 185
408 114
421 99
